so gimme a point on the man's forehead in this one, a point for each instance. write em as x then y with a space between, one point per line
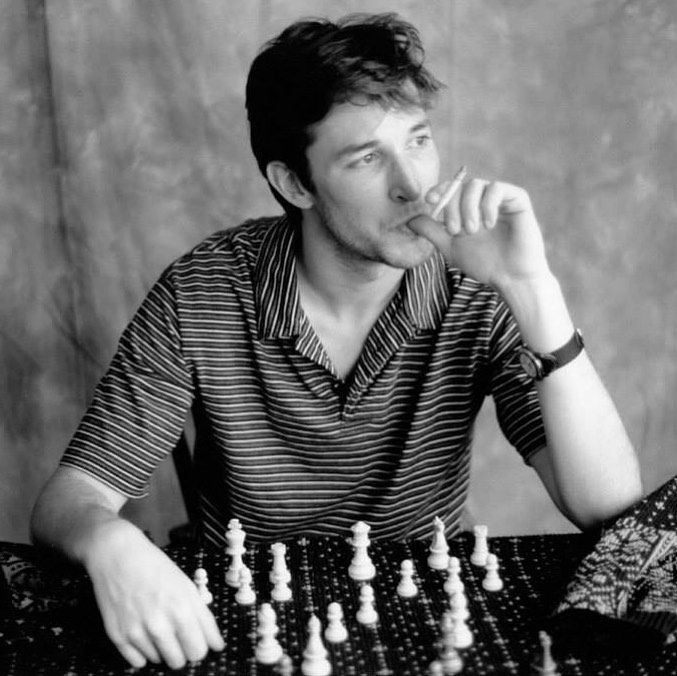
350 123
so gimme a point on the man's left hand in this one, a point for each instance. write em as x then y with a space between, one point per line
489 231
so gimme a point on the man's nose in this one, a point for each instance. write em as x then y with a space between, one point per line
404 183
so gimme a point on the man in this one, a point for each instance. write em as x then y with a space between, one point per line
334 358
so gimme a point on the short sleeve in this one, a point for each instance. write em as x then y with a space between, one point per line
140 406
517 406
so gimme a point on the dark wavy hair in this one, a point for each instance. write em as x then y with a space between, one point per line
312 65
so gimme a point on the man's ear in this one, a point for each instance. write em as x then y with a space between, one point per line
287 183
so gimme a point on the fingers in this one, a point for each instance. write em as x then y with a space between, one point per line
434 231
184 636
469 205
141 642
191 635
475 206
177 647
210 630
132 655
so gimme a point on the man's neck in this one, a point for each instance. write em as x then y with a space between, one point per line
342 300
345 288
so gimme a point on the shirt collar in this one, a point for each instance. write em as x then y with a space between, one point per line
277 299
424 292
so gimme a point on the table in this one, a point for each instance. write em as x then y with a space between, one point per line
49 623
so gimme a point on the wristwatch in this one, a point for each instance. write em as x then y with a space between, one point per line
538 365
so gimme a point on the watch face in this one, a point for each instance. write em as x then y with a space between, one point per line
530 363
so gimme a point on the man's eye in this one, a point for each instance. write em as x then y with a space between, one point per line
369 158
422 140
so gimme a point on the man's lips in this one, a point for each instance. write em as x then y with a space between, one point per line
404 222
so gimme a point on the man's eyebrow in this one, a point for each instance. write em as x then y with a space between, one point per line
355 148
420 126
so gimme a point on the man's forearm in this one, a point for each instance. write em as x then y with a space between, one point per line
72 512
592 464
540 311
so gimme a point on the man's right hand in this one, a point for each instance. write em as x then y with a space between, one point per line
151 610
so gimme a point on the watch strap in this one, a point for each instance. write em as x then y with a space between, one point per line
551 361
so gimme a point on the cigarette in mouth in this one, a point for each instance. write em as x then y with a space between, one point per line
451 190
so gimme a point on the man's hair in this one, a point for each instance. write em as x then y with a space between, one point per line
314 64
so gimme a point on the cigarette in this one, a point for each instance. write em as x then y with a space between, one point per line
451 190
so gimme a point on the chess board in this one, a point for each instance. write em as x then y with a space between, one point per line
53 626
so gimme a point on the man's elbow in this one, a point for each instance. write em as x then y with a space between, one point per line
42 515
605 505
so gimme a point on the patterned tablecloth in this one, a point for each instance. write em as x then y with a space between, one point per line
49 623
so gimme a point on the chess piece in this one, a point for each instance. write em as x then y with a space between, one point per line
281 591
492 581
458 602
279 570
366 613
245 595
439 557
407 587
285 667
546 666
450 660
435 668
267 650
361 567
461 635
336 631
481 549
315 662
279 574
200 578
235 538
453 583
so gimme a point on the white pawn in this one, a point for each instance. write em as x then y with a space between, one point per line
547 665
461 635
449 658
361 567
481 548
439 556
315 662
245 595
453 583
366 613
336 631
281 591
285 666
407 587
200 579
268 650
435 668
492 581
235 538
279 569
458 602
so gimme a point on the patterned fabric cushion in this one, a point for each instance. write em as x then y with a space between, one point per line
626 588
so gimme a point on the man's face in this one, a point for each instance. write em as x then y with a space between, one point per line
371 169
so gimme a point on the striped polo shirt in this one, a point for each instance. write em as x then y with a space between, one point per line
281 442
